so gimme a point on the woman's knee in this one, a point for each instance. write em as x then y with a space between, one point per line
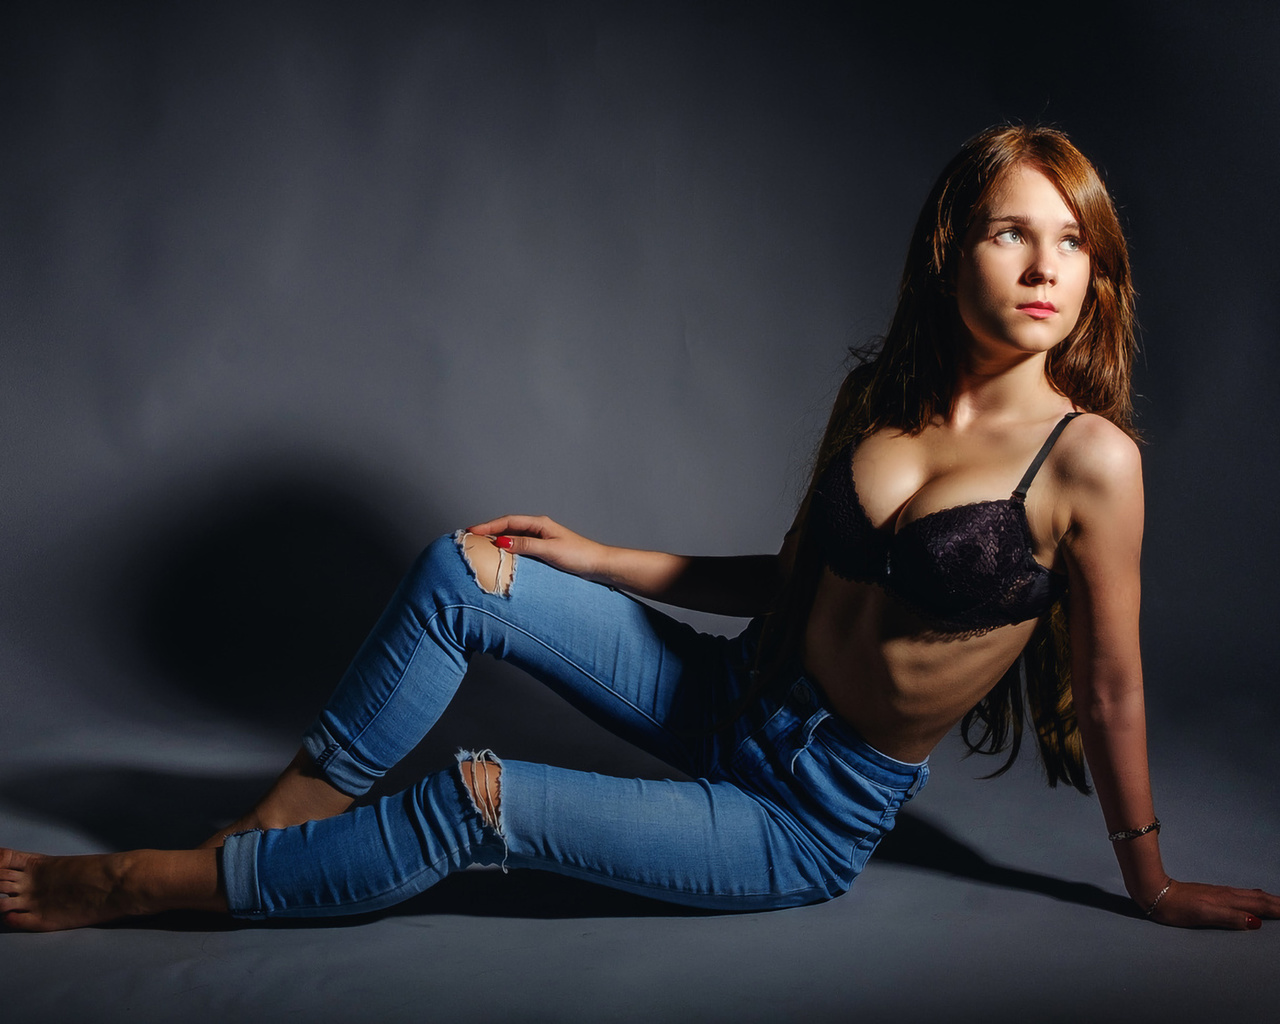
458 564
492 568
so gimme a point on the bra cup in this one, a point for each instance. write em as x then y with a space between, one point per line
964 569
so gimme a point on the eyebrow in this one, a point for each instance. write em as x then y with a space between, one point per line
1019 219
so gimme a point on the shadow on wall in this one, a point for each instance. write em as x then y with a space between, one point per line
247 591
259 594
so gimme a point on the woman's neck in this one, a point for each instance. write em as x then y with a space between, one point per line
1003 389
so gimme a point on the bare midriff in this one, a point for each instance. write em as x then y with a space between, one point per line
900 684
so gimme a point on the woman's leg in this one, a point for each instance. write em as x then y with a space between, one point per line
787 813
616 659
702 843
619 661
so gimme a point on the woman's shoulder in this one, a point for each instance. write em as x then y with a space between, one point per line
1095 459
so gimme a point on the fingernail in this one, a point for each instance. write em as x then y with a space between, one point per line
1252 922
502 542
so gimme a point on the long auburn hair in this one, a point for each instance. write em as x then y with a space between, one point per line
910 380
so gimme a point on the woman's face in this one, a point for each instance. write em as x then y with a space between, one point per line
1023 272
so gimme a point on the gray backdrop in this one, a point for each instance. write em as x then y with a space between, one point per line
290 289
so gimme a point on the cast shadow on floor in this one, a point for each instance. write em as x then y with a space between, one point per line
134 808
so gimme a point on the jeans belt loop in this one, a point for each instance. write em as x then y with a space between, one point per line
921 774
815 720
806 735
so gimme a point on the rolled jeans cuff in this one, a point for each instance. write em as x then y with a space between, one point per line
337 765
240 875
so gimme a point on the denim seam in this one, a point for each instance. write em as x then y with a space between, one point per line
662 891
874 836
346 905
807 731
754 733
563 657
440 610
423 626
425 623
784 821
391 694
433 866
800 834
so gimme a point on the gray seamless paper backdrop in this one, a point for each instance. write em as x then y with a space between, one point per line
289 289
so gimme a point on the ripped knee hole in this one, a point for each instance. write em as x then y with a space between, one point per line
493 569
482 779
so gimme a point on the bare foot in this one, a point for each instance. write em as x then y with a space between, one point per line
45 894
300 794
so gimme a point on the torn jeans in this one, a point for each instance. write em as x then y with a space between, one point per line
782 806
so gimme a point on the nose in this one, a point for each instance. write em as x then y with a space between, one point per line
1043 268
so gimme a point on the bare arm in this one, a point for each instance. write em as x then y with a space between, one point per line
1102 547
742 585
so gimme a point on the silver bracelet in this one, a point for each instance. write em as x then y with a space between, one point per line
1133 833
1159 896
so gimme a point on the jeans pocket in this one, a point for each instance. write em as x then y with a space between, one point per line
849 798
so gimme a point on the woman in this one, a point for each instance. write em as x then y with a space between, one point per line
974 520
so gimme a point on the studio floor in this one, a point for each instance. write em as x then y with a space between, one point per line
993 900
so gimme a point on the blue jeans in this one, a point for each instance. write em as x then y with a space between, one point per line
785 804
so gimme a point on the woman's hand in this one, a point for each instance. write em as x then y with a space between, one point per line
1193 905
547 541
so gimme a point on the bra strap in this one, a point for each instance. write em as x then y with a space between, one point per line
1020 492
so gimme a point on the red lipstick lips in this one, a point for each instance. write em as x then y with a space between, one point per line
1038 310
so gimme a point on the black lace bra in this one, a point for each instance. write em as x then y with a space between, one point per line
965 569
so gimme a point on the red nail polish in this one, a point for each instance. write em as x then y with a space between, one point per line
1252 922
502 542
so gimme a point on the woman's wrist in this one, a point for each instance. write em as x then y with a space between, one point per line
1142 867
1144 886
604 566
1148 889
1149 906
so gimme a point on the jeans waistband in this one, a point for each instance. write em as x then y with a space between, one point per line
805 697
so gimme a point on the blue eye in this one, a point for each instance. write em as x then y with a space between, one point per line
1009 235
1072 244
